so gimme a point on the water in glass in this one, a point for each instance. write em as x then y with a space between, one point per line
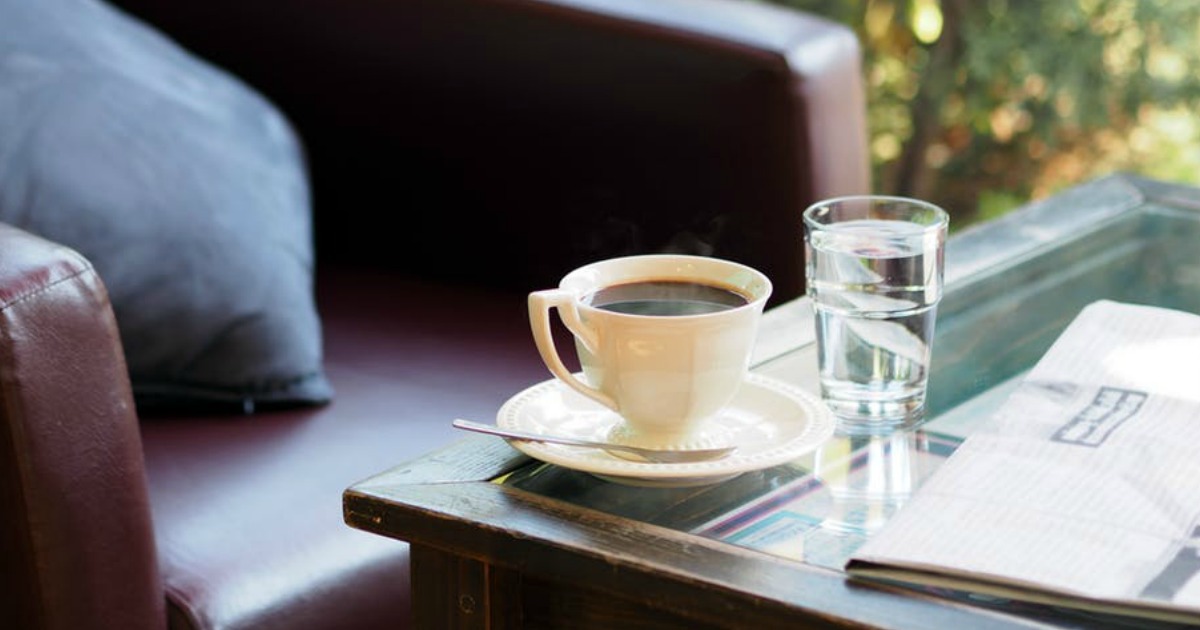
875 285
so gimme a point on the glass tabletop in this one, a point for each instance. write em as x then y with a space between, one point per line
1013 285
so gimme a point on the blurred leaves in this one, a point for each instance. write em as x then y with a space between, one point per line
982 105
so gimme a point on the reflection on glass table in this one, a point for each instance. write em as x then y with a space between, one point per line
817 509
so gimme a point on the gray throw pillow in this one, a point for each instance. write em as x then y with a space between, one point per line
184 188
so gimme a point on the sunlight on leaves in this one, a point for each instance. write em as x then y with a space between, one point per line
1024 98
926 20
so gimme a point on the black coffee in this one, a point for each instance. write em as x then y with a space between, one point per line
666 298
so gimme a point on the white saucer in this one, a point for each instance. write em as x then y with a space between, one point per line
771 422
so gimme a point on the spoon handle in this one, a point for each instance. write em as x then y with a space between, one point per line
653 456
516 434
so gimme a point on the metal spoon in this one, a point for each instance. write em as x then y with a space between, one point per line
655 456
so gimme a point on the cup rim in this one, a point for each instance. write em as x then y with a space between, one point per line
942 221
757 292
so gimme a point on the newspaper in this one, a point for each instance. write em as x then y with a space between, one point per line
1082 490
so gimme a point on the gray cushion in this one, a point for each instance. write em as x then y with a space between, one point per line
185 189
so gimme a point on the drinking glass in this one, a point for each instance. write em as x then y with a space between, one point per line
874 268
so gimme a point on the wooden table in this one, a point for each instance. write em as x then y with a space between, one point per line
501 541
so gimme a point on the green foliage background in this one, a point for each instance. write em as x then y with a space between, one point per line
982 105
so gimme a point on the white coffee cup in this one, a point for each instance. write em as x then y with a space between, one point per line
664 374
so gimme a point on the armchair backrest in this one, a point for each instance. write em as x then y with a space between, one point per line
511 140
76 541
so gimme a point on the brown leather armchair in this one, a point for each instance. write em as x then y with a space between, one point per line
511 140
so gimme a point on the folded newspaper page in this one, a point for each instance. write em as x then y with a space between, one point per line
1083 490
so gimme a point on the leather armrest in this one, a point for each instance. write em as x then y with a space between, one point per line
76 545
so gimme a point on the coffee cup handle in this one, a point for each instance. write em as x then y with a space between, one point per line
540 303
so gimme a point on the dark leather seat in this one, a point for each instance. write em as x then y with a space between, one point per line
247 510
463 153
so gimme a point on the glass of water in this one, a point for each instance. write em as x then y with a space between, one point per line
874 268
